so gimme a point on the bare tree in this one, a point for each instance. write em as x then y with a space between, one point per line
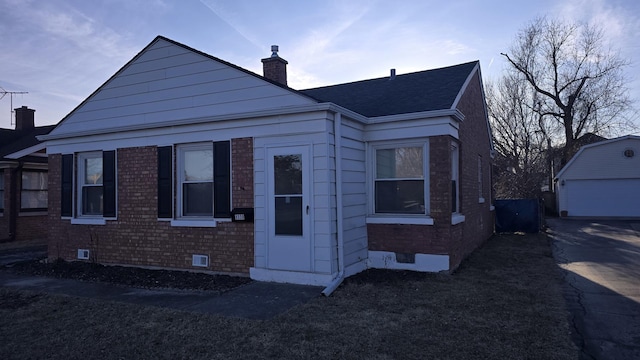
520 137
578 79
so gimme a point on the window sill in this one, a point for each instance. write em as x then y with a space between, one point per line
88 221
457 219
193 223
422 220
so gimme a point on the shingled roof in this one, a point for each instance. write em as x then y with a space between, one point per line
12 141
414 92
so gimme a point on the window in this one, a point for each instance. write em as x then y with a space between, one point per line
399 185
96 184
203 180
90 179
455 186
196 180
1 191
34 194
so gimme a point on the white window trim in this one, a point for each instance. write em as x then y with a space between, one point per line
406 220
89 221
394 218
455 174
183 220
78 180
480 181
457 218
194 223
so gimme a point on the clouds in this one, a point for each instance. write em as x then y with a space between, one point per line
62 50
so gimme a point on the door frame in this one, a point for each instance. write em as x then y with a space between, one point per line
272 240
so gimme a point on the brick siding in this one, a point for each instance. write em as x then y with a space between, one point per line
137 237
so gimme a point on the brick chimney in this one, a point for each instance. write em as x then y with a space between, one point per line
24 118
275 67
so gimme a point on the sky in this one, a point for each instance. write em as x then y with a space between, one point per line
61 51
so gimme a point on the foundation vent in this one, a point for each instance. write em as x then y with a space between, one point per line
200 260
83 254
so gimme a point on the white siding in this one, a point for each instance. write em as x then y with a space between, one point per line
606 161
323 203
166 83
354 196
601 181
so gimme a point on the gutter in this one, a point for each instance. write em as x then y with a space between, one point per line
337 133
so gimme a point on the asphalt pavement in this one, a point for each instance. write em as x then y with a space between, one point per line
601 265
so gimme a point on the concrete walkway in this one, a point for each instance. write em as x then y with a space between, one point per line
601 265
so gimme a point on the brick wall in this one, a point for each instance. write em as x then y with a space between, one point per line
138 238
474 143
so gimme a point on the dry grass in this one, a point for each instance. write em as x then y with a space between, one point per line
503 303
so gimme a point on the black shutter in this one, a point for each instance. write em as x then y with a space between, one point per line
109 183
222 179
165 182
66 199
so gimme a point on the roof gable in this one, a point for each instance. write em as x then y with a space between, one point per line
604 160
168 81
428 90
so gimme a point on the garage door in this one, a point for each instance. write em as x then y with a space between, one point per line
603 197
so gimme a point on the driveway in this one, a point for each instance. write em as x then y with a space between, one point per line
601 265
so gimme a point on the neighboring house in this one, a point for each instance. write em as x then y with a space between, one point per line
183 160
601 180
23 180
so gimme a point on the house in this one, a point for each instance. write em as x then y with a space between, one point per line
183 160
23 180
601 180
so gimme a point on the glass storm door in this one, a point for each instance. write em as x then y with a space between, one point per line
289 245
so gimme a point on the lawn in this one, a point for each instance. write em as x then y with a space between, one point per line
504 302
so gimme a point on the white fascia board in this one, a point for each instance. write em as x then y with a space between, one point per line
208 119
28 151
463 88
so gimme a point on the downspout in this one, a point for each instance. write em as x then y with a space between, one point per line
13 198
337 143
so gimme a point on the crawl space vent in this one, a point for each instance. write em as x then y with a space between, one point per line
200 260
83 254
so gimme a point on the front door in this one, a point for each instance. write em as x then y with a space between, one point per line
289 242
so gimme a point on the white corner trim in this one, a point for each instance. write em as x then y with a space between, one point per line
290 277
457 218
88 221
423 262
481 200
422 220
193 223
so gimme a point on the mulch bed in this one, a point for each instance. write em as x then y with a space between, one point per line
129 276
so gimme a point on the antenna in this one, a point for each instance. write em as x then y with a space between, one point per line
3 93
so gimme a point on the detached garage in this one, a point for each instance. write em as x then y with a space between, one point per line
601 180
